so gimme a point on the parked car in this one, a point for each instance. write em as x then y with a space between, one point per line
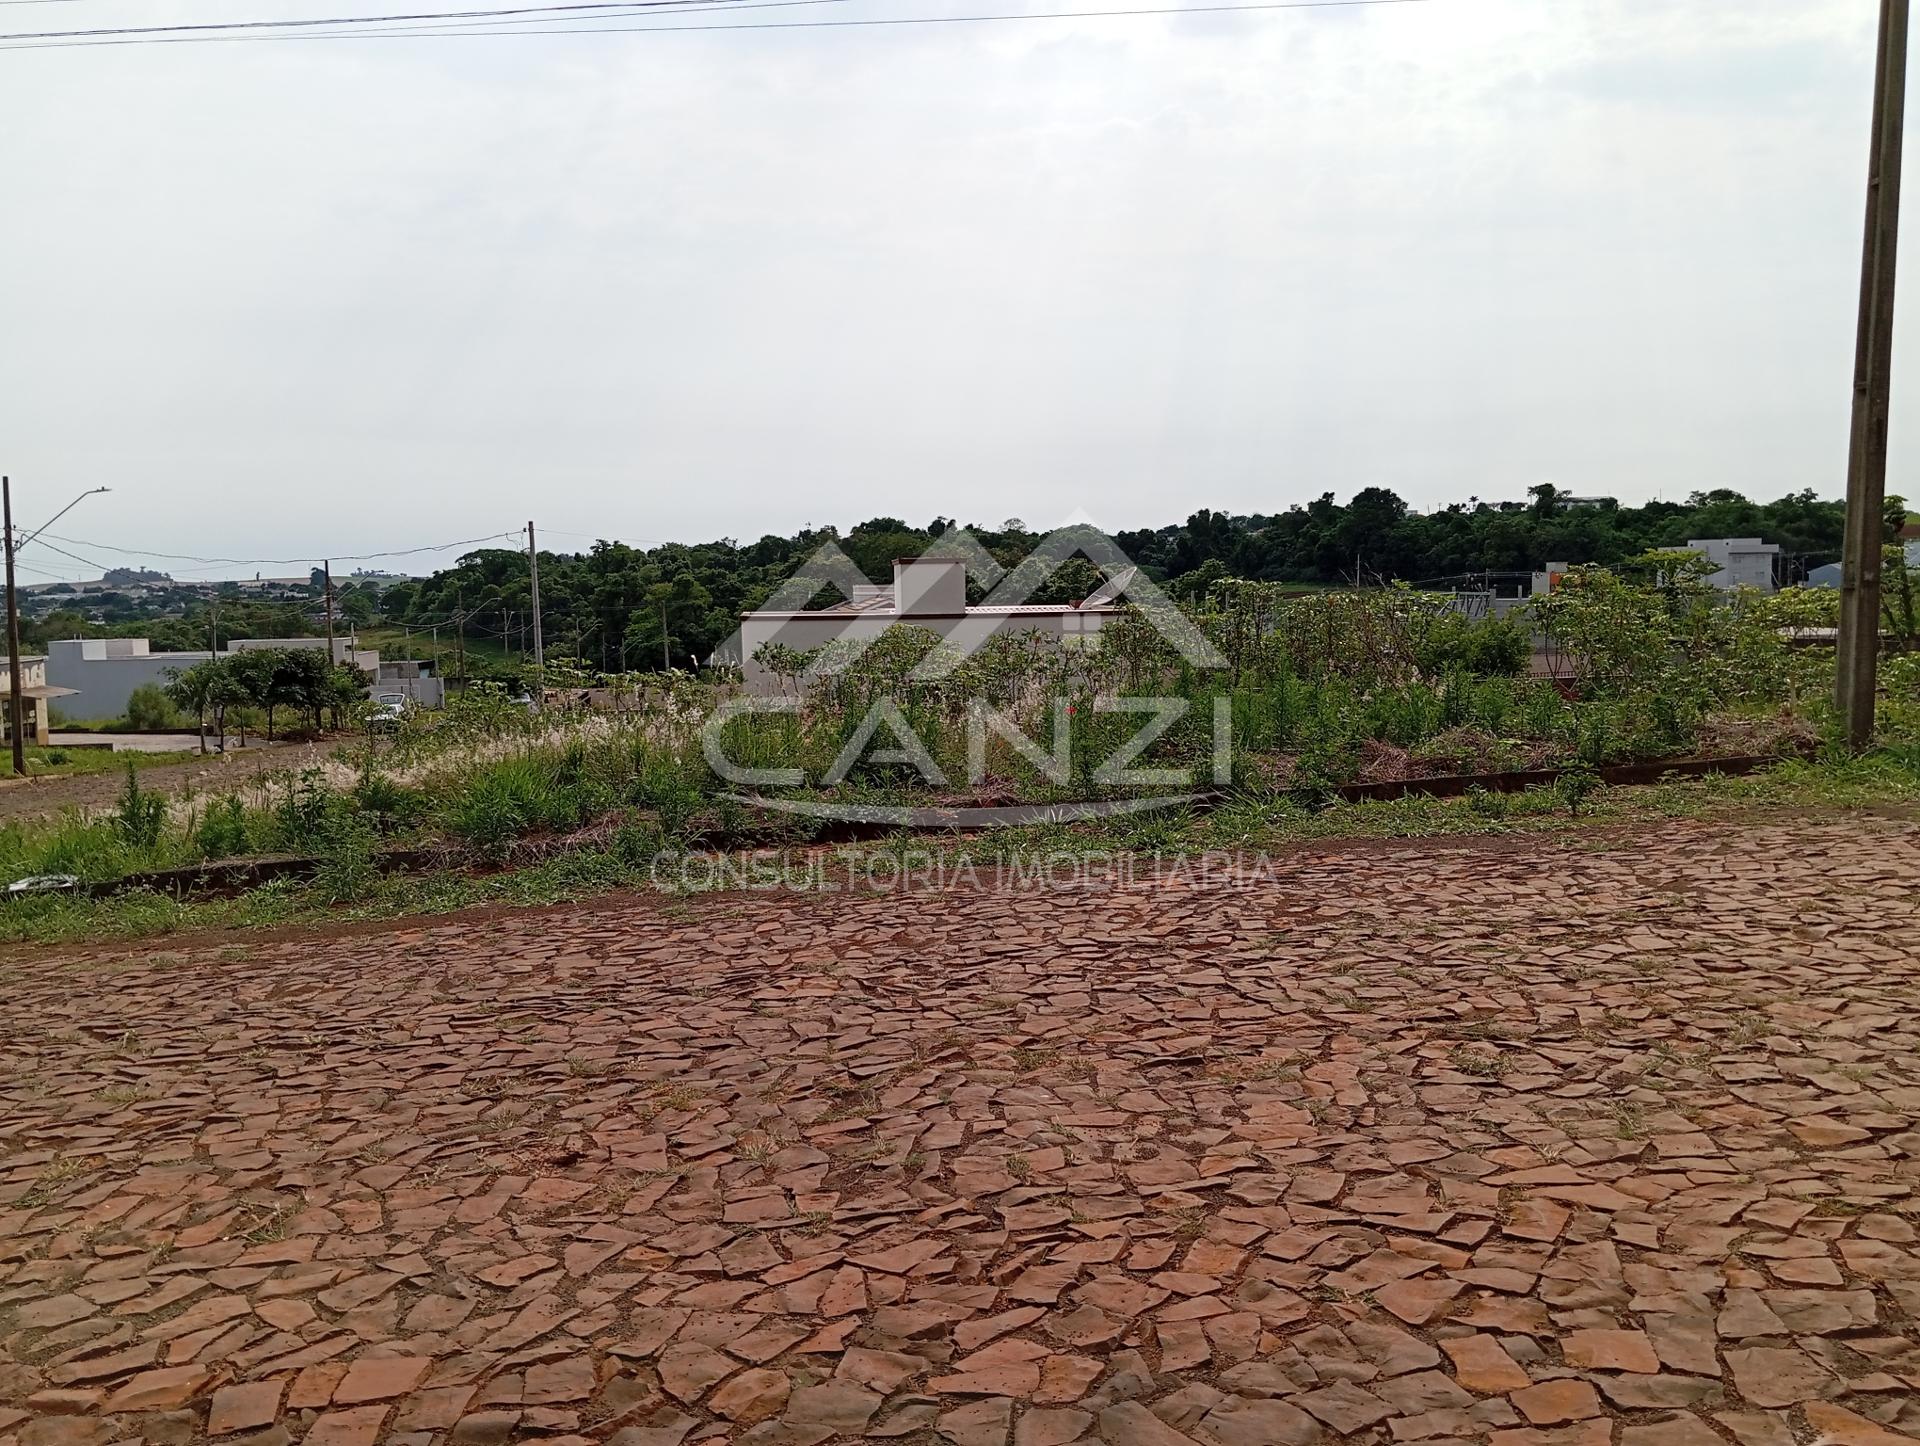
389 711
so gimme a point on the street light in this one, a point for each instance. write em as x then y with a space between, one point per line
60 514
16 716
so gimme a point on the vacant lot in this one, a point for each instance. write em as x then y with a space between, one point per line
1548 1144
215 773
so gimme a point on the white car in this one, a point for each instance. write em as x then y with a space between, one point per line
389 709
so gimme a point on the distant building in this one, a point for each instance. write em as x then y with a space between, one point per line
95 677
1829 576
36 695
927 592
1739 561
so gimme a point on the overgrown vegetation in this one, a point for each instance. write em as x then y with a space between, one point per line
1887 777
1318 691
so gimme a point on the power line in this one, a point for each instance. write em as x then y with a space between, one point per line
277 561
74 555
680 7
314 21
454 34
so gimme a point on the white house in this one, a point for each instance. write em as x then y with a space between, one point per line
926 592
36 694
96 676
1740 561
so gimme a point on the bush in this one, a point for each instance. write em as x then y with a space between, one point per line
347 867
223 833
149 707
389 806
300 815
140 815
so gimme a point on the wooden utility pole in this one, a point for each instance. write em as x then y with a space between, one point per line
15 713
666 653
1857 675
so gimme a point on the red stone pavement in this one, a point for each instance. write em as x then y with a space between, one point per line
1545 1143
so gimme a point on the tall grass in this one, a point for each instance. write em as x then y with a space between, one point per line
1332 690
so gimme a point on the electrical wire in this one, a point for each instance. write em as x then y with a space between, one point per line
280 561
310 22
681 7
455 34
74 555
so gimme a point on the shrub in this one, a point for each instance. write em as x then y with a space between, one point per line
488 816
140 815
1576 785
148 706
223 833
388 805
347 866
300 815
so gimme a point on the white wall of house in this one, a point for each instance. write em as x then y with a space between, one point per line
1741 561
105 671
411 680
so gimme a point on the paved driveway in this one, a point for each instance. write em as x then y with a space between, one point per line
1541 1144
132 742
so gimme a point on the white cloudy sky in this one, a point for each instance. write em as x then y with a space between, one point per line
332 297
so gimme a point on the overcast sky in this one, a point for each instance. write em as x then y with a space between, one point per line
339 297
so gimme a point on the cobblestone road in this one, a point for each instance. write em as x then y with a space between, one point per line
1540 1144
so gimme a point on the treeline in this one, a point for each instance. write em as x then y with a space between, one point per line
268 683
1375 538
190 621
619 608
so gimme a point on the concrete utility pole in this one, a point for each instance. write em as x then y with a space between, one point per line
666 653
1859 644
459 639
15 714
327 568
539 648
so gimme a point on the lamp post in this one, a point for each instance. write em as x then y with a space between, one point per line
62 513
16 713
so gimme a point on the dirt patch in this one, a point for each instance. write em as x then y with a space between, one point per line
47 797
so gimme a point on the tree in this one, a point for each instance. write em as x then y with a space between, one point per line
343 689
252 673
359 606
207 690
276 678
606 601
